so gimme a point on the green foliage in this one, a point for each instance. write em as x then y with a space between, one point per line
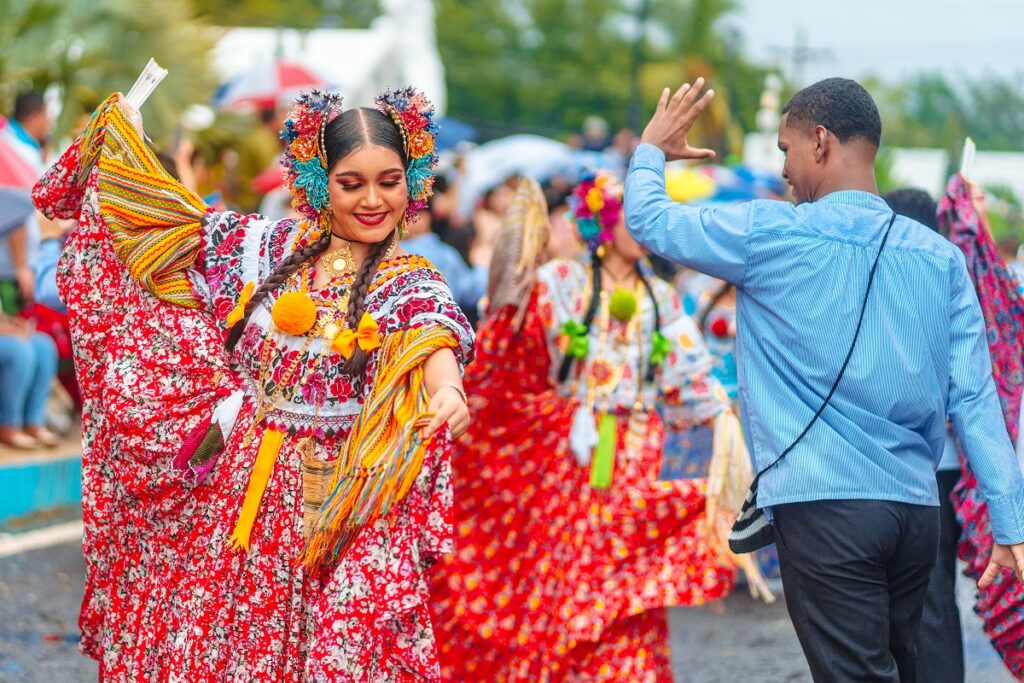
545 65
90 48
931 110
305 14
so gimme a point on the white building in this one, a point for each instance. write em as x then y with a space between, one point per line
399 49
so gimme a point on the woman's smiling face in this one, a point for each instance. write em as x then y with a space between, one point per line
368 194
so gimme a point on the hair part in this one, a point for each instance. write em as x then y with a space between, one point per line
841 106
347 133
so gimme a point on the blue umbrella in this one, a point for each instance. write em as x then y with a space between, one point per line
453 131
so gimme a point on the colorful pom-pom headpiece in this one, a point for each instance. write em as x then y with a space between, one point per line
596 207
413 113
305 156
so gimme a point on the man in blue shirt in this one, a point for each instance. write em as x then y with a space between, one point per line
855 502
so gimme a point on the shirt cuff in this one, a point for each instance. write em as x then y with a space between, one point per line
1006 515
648 156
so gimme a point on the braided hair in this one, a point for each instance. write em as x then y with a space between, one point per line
595 296
345 134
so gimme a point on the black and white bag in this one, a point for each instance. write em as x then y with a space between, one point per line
752 530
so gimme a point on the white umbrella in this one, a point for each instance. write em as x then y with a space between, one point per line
533 156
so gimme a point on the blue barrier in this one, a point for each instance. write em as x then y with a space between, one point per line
34 486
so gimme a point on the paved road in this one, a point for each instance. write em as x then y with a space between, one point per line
736 641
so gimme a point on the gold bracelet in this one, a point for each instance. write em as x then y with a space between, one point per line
456 387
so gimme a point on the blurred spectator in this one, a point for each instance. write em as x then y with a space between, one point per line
28 364
468 283
489 212
563 241
29 128
257 150
596 136
939 642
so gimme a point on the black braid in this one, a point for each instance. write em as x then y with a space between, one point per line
719 295
276 279
356 365
595 298
651 367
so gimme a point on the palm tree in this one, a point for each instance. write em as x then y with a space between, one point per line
87 49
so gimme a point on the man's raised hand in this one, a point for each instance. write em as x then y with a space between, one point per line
673 119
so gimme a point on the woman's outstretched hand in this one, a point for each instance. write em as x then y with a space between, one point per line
673 119
447 406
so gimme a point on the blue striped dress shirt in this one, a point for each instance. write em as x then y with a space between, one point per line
801 273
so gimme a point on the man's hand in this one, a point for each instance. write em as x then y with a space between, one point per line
673 119
1003 557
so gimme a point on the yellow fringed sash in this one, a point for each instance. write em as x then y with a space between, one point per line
155 222
729 477
270 446
383 455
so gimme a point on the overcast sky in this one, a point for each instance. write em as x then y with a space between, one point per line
890 38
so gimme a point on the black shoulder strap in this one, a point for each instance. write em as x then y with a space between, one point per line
846 361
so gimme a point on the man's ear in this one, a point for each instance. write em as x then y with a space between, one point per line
822 143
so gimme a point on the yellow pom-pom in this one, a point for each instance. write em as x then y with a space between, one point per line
622 304
595 200
294 313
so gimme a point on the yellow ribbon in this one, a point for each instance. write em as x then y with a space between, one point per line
367 335
258 478
239 310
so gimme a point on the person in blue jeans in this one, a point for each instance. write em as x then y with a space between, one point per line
28 364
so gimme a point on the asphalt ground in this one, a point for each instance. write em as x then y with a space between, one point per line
735 641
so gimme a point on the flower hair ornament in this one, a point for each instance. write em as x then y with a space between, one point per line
305 156
414 115
596 207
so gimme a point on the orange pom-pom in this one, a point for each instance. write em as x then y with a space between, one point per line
294 313
420 143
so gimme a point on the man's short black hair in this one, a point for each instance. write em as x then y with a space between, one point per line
27 104
842 106
916 204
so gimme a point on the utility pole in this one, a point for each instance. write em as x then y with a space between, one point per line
800 54
633 114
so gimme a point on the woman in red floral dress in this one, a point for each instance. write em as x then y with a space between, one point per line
264 485
568 546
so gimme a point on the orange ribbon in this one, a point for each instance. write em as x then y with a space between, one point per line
367 335
239 310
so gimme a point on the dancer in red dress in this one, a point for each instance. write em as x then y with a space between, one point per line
263 485
568 546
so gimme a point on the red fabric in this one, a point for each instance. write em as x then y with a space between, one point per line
166 599
1001 606
547 571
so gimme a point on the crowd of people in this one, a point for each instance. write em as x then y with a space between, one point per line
336 429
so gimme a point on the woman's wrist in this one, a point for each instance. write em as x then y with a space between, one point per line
456 387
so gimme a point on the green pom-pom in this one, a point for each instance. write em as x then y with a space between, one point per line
622 304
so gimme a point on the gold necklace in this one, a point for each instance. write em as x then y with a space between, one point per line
339 262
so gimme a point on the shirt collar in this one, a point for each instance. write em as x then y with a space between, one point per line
22 134
856 198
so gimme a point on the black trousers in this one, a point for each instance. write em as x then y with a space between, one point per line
940 644
855 573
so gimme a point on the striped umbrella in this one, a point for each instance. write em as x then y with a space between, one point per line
268 83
